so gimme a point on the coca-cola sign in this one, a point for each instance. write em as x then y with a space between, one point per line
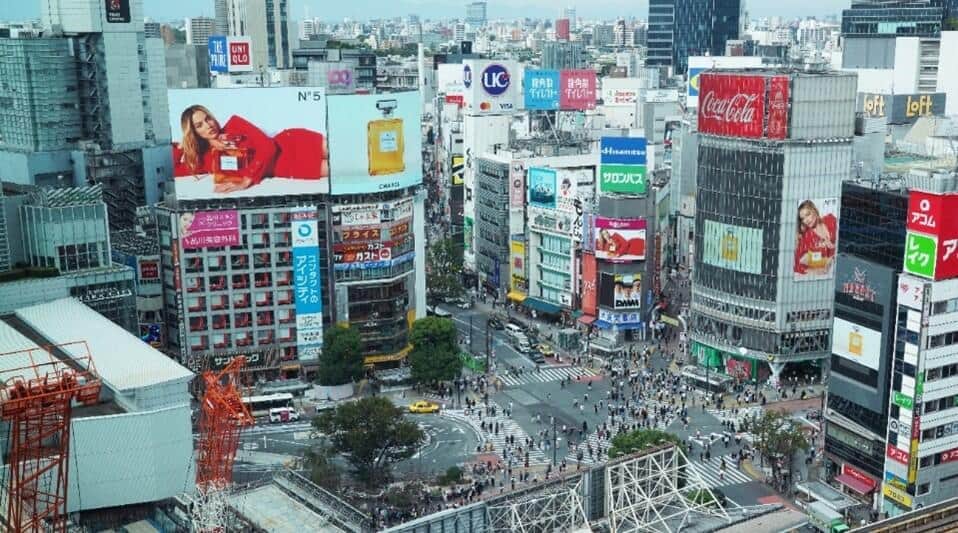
777 108
732 105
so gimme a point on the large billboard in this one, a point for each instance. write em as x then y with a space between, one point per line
542 187
622 168
700 64
778 98
620 92
732 247
732 105
209 229
932 236
490 87
577 90
902 108
249 142
856 343
375 142
620 239
372 214
816 239
458 170
621 291
589 284
541 89
517 184
117 11
307 283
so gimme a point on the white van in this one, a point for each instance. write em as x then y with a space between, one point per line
283 414
514 332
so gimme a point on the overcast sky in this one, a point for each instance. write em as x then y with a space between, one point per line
365 9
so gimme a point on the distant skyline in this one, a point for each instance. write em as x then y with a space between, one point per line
330 10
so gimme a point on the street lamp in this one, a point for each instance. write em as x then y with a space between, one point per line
555 443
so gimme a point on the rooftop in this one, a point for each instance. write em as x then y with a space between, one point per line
123 361
131 242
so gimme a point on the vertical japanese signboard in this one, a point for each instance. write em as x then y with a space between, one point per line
517 187
307 283
577 90
777 108
931 240
541 90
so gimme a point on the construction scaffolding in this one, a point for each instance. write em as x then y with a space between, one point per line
39 388
658 490
556 507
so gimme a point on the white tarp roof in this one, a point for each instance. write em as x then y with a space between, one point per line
123 360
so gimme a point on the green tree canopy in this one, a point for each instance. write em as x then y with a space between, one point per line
341 361
444 267
321 469
435 354
638 440
372 435
778 436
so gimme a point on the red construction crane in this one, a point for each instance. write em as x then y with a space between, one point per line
36 399
222 416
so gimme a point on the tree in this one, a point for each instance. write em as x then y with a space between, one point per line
444 269
341 361
435 353
778 437
372 435
638 440
321 469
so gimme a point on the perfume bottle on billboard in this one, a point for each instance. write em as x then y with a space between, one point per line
385 141
730 246
855 342
230 163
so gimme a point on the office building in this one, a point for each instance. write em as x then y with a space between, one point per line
871 244
362 62
890 18
570 15
476 14
764 287
562 29
492 220
199 29
266 23
682 28
118 94
140 250
563 55
602 34
221 25
152 30
55 243
187 66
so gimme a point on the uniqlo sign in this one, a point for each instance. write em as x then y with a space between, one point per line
732 105
931 244
577 89
239 55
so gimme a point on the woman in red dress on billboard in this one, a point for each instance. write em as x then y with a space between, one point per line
239 155
815 249
613 244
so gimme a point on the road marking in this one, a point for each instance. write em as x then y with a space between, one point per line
301 435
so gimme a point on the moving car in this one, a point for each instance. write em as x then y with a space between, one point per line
496 324
422 407
283 414
546 350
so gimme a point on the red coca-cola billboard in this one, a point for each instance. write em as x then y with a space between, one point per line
777 108
732 105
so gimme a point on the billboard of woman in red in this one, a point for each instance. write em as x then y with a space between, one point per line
816 240
270 149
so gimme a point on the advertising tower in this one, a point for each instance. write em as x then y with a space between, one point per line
774 148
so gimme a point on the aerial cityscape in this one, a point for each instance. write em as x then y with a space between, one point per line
432 266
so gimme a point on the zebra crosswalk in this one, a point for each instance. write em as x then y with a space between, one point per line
600 447
712 473
737 415
496 441
543 375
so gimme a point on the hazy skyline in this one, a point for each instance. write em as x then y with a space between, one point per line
367 9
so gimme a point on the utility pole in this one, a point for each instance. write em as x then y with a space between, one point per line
471 334
488 344
555 443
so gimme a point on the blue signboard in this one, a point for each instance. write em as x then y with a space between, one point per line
694 81
307 283
542 187
541 89
623 151
219 54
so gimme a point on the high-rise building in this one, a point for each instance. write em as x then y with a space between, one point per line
152 30
891 18
266 23
112 81
682 28
602 34
768 181
563 55
221 17
476 14
562 29
871 244
459 32
199 29
569 13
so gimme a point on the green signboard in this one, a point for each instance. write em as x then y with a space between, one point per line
622 179
904 401
921 252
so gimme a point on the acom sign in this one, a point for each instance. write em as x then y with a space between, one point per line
902 108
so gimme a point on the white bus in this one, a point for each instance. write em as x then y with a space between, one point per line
260 405
696 377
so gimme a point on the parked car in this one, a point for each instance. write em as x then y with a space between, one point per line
423 407
496 324
283 414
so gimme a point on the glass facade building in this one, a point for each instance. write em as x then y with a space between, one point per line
895 18
682 28
492 222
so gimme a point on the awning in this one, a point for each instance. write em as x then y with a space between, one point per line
586 319
857 485
516 296
542 306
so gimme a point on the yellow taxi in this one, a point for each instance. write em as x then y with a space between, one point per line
546 350
422 406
